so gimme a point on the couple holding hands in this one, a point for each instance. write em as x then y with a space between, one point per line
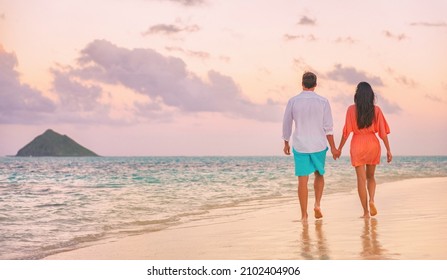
311 117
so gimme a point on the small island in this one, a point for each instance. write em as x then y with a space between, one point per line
53 144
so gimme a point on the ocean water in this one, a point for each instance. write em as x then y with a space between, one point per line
48 205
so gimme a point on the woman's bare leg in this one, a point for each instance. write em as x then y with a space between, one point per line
371 184
361 188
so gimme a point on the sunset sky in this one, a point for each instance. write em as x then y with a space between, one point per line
212 77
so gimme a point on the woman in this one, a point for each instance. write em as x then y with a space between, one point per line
365 119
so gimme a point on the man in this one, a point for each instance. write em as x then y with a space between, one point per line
311 114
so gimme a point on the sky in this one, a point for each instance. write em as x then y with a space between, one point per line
210 77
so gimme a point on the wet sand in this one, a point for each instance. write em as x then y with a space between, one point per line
411 225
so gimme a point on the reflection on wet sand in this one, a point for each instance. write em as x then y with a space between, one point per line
371 247
317 249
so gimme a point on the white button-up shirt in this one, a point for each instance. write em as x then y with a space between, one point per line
312 116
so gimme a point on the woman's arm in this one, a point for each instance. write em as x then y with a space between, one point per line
389 156
334 151
342 143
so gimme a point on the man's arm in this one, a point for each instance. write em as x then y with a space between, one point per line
287 128
286 147
334 151
328 128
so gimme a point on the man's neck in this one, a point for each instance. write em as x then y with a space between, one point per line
308 89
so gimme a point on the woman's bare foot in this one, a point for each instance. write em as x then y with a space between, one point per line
372 208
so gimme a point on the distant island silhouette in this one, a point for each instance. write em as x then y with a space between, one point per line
53 144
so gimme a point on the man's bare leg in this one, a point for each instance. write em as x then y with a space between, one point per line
303 195
318 188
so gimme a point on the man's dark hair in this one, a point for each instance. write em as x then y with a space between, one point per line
309 80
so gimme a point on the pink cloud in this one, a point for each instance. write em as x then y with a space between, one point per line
352 76
307 21
187 2
169 29
73 95
167 79
398 37
20 103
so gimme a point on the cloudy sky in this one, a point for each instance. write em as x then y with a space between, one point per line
211 77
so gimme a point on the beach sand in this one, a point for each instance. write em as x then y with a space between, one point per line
411 225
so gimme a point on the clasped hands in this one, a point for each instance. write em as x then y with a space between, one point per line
336 153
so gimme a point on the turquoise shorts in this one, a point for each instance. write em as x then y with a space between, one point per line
308 163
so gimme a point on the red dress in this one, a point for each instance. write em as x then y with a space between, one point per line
365 147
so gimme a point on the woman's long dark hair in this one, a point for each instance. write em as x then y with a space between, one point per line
364 103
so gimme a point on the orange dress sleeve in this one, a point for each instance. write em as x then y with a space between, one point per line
348 128
380 124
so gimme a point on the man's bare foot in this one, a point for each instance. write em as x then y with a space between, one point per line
318 214
304 218
372 209
365 216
